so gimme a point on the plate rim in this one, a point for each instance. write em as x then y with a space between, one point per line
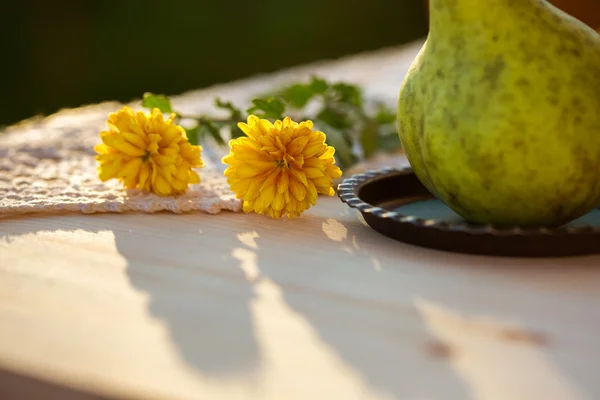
348 192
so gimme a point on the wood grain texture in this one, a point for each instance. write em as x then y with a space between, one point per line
236 307
239 306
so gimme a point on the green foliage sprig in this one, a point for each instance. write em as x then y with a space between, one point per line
339 109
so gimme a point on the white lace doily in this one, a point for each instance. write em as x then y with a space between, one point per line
48 166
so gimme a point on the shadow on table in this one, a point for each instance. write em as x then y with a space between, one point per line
200 294
375 303
399 315
242 303
395 316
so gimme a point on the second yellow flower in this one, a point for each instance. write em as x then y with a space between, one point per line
279 169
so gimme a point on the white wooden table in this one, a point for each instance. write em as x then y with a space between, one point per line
239 307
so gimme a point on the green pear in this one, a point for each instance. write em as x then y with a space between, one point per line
499 114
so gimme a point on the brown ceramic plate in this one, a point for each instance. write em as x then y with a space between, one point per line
395 203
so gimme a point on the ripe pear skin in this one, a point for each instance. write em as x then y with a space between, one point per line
499 114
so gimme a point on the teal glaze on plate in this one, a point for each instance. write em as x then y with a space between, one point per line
395 203
436 210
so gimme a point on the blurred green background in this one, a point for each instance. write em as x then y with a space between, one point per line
69 53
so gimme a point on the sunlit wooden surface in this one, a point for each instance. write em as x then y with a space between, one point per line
241 307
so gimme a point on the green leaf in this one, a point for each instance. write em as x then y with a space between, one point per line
211 128
368 138
298 95
236 113
318 85
334 118
269 107
192 134
343 151
389 143
151 101
348 94
385 116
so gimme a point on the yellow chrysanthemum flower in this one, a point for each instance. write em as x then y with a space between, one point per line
280 168
147 152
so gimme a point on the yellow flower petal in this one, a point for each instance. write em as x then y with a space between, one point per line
329 152
253 120
172 133
278 202
297 145
107 157
247 143
267 195
244 128
182 172
323 181
102 149
279 168
154 169
135 140
267 143
271 179
248 171
253 189
312 193
194 178
282 182
147 152
313 173
131 169
144 174
258 205
241 187
163 160
298 189
334 171
299 175
178 185
171 151
263 165
153 147
314 148
264 126
162 187
119 121
118 142
165 173
109 170
228 159
315 163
